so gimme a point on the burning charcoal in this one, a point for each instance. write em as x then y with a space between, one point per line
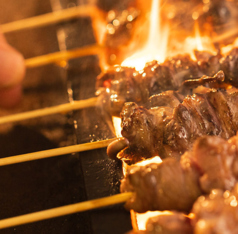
175 185
216 213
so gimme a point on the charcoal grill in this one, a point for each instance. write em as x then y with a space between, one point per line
49 183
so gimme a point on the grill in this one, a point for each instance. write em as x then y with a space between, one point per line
68 179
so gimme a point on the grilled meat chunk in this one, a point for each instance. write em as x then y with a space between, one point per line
167 223
170 185
214 158
173 223
168 131
216 213
229 65
175 185
122 84
144 130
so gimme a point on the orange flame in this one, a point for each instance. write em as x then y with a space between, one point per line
198 43
226 49
117 125
155 48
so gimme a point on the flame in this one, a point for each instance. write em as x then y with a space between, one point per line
155 48
198 43
143 218
227 49
117 125
155 159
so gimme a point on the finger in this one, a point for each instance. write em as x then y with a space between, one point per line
12 67
12 72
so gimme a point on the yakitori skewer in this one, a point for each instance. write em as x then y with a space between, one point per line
63 55
65 210
51 18
55 152
63 108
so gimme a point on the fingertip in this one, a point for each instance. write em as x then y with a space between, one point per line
12 66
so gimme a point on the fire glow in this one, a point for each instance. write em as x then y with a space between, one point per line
155 48
158 48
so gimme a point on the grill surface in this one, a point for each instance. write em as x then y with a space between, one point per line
54 182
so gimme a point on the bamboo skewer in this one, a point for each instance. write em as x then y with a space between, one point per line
55 152
65 210
231 33
51 18
63 55
63 108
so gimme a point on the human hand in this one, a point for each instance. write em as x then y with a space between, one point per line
12 72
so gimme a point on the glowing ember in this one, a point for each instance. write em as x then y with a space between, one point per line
155 48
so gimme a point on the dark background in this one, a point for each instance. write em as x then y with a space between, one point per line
53 182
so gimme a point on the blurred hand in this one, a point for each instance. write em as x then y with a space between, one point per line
12 72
